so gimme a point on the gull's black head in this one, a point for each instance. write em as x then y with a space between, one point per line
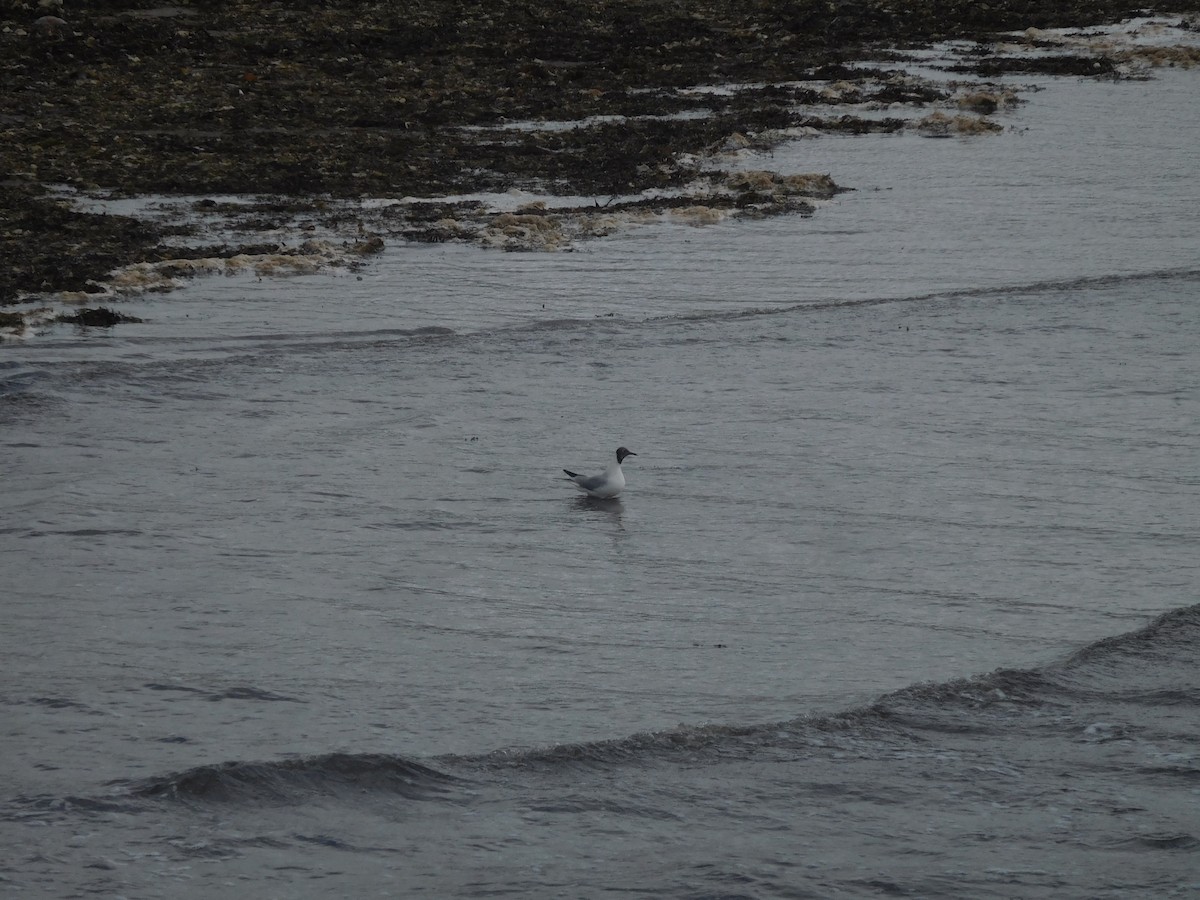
622 453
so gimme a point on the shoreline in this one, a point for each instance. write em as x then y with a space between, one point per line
307 111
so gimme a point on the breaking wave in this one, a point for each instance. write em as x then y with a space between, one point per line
1147 669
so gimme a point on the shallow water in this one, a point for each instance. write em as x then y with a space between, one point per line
314 533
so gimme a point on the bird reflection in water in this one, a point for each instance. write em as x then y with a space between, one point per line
611 508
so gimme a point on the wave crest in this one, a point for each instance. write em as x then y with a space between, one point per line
283 780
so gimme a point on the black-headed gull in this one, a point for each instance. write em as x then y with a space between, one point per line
611 483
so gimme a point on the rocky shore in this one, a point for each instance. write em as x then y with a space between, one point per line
314 103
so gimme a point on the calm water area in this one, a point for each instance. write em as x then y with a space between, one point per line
297 602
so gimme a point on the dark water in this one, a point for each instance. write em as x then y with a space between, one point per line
1074 779
901 598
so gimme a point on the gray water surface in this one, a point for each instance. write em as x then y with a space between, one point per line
938 428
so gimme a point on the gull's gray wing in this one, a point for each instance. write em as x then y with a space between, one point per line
590 482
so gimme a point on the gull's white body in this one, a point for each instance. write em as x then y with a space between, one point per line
606 485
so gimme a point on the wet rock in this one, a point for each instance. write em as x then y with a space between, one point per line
99 317
51 28
939 124
1041 65
45 245
986 102
12 321
698 215
773 184
1183 57
373 244
525 231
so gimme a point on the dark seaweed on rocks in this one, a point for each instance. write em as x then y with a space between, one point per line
99 317
1052 65
365 98
45 245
